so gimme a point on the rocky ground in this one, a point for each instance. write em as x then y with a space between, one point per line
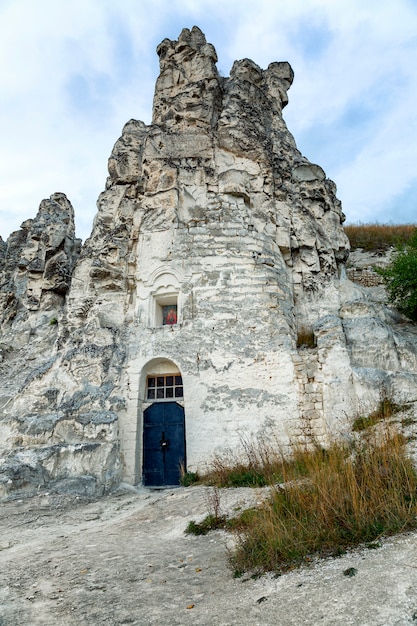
124 559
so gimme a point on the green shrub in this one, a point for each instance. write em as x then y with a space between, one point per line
255 463
215 518
400 278
246 478
189 478
210 522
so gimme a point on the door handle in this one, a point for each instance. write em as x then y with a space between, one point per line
164 443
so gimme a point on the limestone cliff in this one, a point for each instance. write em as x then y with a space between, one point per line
210 212
36 262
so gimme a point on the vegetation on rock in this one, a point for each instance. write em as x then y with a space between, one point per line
210 522
345 496
323 501
188 478
401 277
385 409
378 237
259 465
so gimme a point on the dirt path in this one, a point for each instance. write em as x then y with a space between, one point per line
124 559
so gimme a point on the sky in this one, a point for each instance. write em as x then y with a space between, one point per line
73 72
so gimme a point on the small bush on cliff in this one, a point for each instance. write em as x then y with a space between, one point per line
306 338
386 408
401 278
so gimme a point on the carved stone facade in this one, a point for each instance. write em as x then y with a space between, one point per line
215 241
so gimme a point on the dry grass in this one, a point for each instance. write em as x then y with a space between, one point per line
376 237
386 409
323 500
255 464
306 338
331 500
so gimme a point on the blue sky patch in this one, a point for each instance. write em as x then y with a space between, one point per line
311 38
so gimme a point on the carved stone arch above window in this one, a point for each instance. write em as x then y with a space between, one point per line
162 273
165 306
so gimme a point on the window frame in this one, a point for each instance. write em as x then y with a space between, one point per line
161 300
164 389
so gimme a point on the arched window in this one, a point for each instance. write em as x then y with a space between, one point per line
165 301
162 382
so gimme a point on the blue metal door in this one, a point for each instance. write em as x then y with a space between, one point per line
163 444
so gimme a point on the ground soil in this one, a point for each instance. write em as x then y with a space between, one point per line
124 559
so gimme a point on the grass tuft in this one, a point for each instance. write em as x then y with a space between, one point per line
210 522
189 478
386 409
306 338
323 501
257 463
215 518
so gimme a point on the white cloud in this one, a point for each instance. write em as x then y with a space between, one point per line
73 73
367 64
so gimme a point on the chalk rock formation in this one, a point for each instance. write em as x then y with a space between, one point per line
215 241
36 265
37 261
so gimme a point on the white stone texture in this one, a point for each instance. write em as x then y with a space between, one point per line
212 207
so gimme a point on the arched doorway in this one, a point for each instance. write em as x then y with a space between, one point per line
163 444
164 447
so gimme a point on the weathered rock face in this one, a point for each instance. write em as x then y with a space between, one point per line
215 241
36 265
36 262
